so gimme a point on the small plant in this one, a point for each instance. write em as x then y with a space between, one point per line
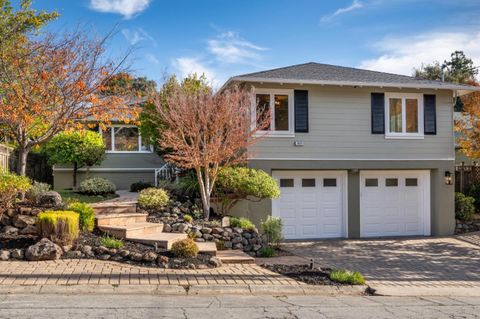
185 248
220 245
153 198
464 207
139 186
97 186
11 185
267 252
37 189
111 242
192 235
272 228
86 215
242 222
347 277
187 218
215 223
474 191
60 227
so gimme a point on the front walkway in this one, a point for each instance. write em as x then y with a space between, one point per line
434 263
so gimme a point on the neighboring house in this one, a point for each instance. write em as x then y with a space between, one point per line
356 153
128 160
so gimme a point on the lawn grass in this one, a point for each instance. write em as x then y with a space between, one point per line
347 277
69 196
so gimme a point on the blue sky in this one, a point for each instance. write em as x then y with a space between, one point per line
222 38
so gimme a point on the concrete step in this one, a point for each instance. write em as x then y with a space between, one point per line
235 257
163 240
207 248
133 230
114 207
121 219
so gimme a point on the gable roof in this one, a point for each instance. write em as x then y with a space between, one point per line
326 74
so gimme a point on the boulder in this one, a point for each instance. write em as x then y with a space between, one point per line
9 230
29 230
87 250
4 255
182 228
22 221
124 253
136 257
150 256
74 254
43 250
104 257
167 228
215 262
162 260
206 230
50 198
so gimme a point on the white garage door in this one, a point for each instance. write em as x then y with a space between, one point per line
312 204
394 203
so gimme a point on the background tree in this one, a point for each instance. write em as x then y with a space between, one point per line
207 131
77 148
468 126
126 84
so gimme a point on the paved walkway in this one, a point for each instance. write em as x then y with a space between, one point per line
123 196
96 272
419 263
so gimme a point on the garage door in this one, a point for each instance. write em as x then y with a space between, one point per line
394 203
312 204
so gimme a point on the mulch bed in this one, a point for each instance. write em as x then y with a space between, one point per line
303 273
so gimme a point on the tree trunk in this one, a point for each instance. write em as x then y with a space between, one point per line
22 161
203 194
75 170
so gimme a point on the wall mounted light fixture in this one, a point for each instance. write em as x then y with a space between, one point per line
448 178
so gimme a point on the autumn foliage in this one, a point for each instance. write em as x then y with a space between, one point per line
468 126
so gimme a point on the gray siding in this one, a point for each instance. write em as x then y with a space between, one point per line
122 180
340 128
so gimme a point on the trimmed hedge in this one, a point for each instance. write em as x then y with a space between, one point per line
11 185
86 215
97 186
153 198
139 186
61 227
185 248
464 207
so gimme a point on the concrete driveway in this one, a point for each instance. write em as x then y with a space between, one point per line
433 266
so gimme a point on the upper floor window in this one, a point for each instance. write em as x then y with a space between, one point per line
404 115
279 104
124 138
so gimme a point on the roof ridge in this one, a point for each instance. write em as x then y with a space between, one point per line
276 69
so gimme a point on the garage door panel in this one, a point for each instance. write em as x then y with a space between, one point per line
393 208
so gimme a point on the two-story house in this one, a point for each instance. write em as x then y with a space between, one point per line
356 153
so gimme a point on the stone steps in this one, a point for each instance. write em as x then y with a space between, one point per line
114 208
132 230
162 240
121 219
235 257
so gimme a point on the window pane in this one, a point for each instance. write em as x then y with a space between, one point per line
263 109
308 182
107 138
396 115
329 182
391 182
411 182
144 147
286 182
126 139
411 107
371 182
281 112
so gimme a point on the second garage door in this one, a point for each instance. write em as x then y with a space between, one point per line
394 203
312 204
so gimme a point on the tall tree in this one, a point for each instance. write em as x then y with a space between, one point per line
207 131
125 84
55 83
468 126
459 69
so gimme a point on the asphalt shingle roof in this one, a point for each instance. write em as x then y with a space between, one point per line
332 74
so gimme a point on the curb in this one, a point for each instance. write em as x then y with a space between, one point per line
193 290
412 291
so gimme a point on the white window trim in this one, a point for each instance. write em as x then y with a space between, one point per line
112 138
404 134
291 113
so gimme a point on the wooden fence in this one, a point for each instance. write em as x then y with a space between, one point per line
465 176
5 152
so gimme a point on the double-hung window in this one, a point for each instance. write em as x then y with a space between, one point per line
124 139
278 104
404 115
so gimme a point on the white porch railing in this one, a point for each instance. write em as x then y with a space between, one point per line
167 172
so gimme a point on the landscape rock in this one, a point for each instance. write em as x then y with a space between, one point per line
215 261
162 260
104 257
43 250
167 228
4 255
22 221
50 198
29 230
17 254
150 256
136 257
9 230
87 250
74 254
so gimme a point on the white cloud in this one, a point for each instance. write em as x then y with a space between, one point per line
127 8
356 4
190 65
151 58
229 47
402 54
138 35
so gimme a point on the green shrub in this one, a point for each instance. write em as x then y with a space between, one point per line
267 252
474 191
237 183
153 198
139 186
86 215
61 227
11 185
188 186
97 186
242 222
347 277
111 242
272 228
37 189
464 207
220 245
187 218
185 248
